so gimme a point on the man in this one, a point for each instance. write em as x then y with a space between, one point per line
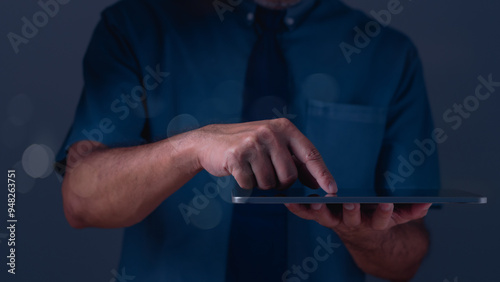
161 116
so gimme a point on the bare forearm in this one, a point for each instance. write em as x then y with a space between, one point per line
119 187
394 254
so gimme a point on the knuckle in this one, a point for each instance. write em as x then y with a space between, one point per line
247 150
250 141
289 178
236 157
245 185
231 162
324 173
243 178
313 155
284 122
267 185
266 181
264 129
265 133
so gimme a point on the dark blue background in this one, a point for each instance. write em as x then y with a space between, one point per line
457 40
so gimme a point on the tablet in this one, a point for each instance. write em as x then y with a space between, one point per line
363 196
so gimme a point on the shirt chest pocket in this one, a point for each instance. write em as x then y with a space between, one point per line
349 138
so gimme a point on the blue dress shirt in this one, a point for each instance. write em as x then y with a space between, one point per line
156 68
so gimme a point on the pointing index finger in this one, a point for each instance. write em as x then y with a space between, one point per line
305 152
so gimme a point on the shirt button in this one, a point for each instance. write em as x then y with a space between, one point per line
250 16
289 21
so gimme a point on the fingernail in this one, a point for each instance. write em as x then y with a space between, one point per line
349 207
332 187
316 206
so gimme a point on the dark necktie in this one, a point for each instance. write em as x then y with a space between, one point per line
258 241
267 81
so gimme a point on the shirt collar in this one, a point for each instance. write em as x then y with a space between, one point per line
295 15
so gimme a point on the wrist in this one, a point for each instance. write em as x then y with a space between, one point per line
183 149
201 143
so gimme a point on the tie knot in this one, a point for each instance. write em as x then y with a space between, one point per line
269 20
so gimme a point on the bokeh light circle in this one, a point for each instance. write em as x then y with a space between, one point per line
182 123
38 161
